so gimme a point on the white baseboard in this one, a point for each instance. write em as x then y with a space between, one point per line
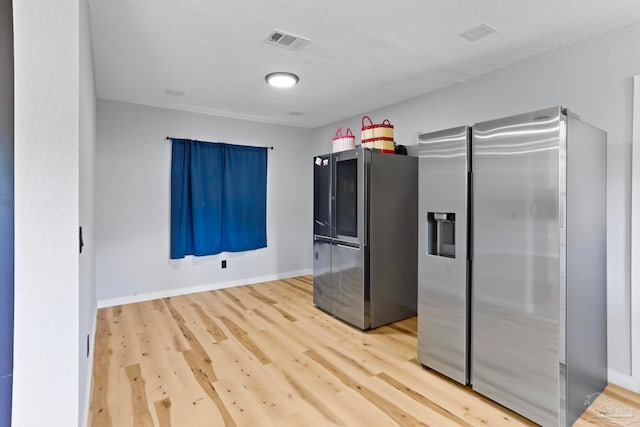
624 381
87 401
110 302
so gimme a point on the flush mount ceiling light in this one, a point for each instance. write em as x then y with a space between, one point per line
281 79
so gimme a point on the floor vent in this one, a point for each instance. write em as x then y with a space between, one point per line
288 40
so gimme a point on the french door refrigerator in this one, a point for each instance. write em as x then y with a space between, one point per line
364 243
535 279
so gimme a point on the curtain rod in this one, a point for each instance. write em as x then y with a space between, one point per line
169 138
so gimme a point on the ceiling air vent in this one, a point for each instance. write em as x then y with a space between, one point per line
479 32
288 40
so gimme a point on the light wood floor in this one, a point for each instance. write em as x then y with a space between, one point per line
263 355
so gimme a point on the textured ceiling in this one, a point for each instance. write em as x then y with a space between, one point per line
362 55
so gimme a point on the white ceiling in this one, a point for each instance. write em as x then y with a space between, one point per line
363 54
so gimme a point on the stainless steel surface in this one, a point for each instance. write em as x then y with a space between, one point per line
393 243
586 315
352 290
322 195
322 273
322 232
348 284
443 314
361 158
516 264
350 287
562 268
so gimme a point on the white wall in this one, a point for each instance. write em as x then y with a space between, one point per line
592 78
46 47
87 273
6 210
635 232
133 162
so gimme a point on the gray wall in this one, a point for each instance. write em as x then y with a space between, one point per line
592 78
6 210
133 162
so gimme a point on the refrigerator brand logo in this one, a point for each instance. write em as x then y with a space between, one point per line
541 118
607 411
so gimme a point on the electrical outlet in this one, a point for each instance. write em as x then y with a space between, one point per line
224 263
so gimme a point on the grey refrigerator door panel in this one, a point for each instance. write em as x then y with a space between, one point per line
349 182
443 315
322 195
393 237
517 262
350 299
322 273
586 265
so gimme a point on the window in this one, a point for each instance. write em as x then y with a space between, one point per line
218 198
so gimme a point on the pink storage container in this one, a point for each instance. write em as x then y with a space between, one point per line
343 142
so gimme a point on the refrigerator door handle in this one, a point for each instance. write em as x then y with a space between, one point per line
354 248
365 197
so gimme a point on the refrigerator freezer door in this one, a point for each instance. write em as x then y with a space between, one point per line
322 274
518 286
349 291
322 195
443 312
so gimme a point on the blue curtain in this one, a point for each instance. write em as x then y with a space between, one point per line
218 198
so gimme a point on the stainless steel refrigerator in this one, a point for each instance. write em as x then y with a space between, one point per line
364 241
443 256
537 265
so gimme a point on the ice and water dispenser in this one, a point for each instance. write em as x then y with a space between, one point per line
441 234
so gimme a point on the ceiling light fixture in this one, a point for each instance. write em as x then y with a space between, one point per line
281 79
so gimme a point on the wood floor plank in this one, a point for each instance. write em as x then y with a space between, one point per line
196 357
422 400
116 310
267 387
229 294
305 289
284 313
243 409
242 336
163 412
141 414
260 297
127 349
99 412
214 330
396 413
403 330
262 314
423 413
316 403
263 355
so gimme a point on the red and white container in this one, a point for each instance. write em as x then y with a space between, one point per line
377 135
343 142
